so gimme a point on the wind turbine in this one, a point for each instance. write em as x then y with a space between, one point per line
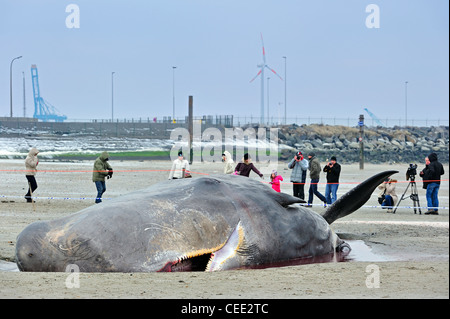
262 66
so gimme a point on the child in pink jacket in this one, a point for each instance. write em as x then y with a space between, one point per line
275 180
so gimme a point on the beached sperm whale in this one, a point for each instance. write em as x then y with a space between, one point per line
204 223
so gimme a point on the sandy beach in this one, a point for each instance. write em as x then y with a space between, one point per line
409 252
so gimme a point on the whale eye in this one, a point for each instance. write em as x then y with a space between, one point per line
30 255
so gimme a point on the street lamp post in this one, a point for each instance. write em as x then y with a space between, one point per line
10 86
406 103
285 81
112 96
24 103
173 93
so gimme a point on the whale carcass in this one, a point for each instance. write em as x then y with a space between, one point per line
205 223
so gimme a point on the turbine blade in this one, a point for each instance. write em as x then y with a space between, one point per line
274 72
263 50
256 76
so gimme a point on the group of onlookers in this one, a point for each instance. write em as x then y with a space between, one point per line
299 165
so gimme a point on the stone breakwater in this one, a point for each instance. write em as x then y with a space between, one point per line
381 145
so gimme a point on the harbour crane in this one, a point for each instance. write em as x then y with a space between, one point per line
43 110
376 119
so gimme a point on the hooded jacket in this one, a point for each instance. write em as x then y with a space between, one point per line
229 163
276 183
101 168
435 169
32 161
314 168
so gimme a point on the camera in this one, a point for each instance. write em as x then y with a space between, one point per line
411 172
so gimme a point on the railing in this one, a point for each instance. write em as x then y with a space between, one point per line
349 121
230 120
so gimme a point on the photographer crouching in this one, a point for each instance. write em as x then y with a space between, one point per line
388 197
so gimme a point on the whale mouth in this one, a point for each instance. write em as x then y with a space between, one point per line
209 259
195 261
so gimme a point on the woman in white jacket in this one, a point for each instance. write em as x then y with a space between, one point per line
229 163
179 166
31 163
390 197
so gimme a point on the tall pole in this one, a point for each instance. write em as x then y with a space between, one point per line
191 127
173 93
361 141
268 111
24 104
285 86
406 103
10 86
112 96
262 95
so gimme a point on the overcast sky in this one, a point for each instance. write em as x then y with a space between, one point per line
338 61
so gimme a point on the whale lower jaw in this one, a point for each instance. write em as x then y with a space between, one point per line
227 254
221 257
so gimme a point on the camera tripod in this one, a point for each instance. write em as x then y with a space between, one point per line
414 196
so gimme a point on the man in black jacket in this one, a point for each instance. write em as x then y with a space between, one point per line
333 170
431 175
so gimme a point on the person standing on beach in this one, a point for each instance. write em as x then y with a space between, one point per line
314 173
31 163
229 163
299 166
276 180
179 166
102 170
244 167
333 170
433 174
424 173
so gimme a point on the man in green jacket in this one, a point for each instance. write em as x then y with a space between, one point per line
102 170
314 173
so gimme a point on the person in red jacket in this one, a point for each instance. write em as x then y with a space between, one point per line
275 180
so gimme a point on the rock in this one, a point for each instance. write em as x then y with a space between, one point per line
339 144
381 144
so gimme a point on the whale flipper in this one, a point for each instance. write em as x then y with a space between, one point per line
355 198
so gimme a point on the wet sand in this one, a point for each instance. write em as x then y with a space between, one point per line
409 251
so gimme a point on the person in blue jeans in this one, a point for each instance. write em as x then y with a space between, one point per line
388 193
101 170
431 175
333 170
299 166
314 173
